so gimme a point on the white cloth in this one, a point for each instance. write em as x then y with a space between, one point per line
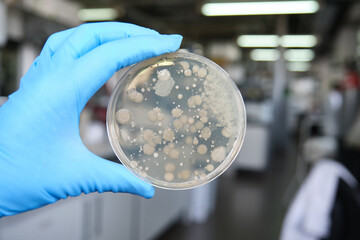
309 216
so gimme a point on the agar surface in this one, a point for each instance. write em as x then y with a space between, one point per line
183 124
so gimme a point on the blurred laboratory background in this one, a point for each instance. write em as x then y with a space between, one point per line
297 66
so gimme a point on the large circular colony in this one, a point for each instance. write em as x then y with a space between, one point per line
176 121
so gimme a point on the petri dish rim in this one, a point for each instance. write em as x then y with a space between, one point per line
111 130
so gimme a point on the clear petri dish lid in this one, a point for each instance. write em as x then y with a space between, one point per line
176 121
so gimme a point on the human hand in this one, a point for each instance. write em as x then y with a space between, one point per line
42 158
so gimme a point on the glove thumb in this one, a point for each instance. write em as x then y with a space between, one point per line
102 175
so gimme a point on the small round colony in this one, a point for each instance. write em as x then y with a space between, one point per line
148 149
210 167
123 116
148 135
185 65
202 149
187 72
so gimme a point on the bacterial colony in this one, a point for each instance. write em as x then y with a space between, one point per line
177 122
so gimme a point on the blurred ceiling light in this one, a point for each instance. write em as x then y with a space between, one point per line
264 55
287 41
298 41
259 8
299 55
298 66
97 14
225 50
258 41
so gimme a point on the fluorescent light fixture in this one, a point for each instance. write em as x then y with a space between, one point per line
287 41
298 66
97 14
298 41
264 54
260 8
258 41
299 55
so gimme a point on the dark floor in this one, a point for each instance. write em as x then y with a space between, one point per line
249 206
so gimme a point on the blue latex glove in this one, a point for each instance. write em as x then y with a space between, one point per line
42 158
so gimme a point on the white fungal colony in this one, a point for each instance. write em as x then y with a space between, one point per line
179 125
165 83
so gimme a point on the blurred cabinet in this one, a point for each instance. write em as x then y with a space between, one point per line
114 217
105 216
160 212
254 152
62 220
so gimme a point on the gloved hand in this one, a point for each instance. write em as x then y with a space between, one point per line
42 158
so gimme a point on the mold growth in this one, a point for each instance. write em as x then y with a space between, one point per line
165 83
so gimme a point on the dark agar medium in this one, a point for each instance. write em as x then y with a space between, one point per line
177 120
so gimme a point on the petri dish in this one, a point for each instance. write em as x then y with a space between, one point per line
176 121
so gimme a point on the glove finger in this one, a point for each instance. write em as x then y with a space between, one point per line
90 35
51 45
105 60
54 41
